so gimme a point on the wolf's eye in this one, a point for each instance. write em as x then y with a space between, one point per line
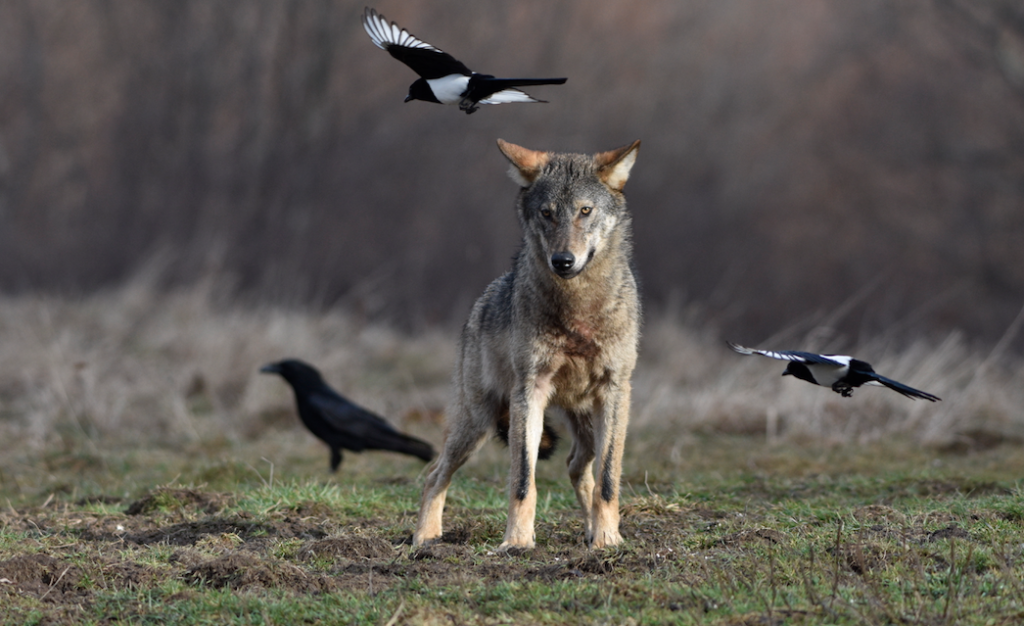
545 213
587 210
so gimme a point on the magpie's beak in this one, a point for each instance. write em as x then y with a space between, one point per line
408 98
786 373
270 368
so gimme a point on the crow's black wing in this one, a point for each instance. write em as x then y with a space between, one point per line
348 418
424 59
358 429
808 358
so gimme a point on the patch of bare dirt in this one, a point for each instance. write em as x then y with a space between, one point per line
42 576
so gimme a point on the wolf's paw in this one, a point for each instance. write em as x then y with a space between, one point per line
514 549
421 539
606 539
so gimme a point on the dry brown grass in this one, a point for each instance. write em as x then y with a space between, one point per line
133 365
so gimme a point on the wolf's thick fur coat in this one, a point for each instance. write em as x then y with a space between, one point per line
560 328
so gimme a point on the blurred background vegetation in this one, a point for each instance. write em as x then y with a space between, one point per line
796 153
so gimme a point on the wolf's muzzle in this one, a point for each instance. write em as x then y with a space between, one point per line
563 264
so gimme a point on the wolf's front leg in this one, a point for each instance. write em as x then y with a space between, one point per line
468 426
610 425
526 425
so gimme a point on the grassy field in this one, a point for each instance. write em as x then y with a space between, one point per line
148 474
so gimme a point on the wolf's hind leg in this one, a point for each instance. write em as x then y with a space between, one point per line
581 467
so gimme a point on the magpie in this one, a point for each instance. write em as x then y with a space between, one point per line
842 373
443 78
338 422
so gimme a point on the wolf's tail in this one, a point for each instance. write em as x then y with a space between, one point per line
548 439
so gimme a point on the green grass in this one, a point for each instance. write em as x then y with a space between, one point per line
150 475
739 533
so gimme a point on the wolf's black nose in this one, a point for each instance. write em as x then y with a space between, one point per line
562 261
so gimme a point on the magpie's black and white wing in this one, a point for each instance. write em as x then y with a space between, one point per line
424 59
808 358
506 96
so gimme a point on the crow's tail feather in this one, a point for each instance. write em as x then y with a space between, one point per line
906 390
405 444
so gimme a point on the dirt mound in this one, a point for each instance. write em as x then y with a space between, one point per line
45 577
189 533
241 570
348 547
166 499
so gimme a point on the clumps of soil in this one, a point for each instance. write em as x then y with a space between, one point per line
42 576
241 570
189 533
441 552
949 532
51 579
350 547
168 499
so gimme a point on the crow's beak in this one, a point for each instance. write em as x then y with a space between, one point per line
270 368
408 98
786 373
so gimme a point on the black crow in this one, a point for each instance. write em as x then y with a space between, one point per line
841 373
443 78
338 422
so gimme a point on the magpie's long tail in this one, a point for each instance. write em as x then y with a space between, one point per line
505 83
909 392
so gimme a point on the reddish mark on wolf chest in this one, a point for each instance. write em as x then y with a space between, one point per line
579 342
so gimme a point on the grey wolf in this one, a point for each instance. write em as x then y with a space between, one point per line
443 79
338 422
561 328
841 373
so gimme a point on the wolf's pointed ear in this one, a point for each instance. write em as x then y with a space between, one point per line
614 165
526 164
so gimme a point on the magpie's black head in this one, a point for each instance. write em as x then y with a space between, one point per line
296 372
420 90
800 371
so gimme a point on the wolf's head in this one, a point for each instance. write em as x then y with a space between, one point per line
570 204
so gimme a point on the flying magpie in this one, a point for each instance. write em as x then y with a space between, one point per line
443 78
842 373
338 422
